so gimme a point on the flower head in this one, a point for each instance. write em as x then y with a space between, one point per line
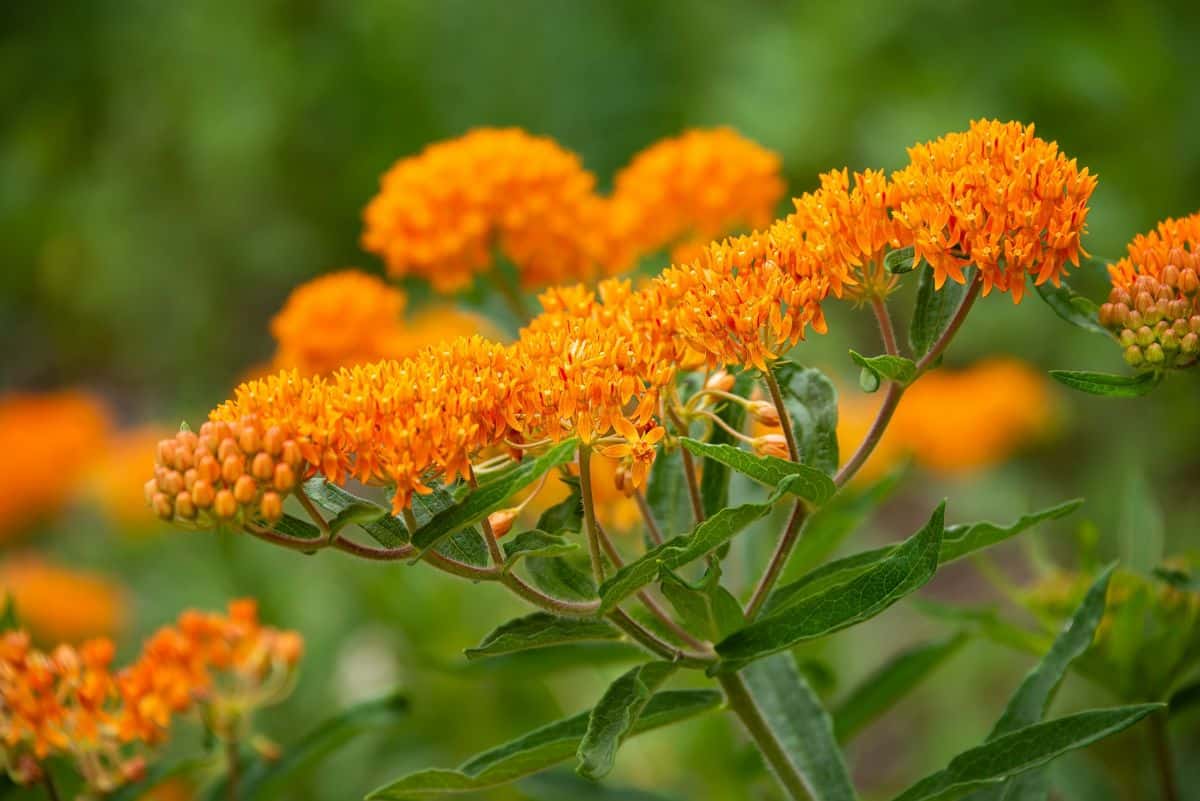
115 481
438 215
998 197
58 604
1154 305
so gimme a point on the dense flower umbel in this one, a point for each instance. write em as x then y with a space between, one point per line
439 214
689 189
59 604
998 197
70 703
1154 306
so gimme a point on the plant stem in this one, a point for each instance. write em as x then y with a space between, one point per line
489 533
233 766
952 328
648 515
785 419
741 703
1164 759
307 503
689 469
547 602
783 550
49 785
589 513
648 640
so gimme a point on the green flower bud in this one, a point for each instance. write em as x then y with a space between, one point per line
1133 356
1155 354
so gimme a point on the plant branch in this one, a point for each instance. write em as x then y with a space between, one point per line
939 346
312 511
589 513
233 767
49 785
489 533
648 516
779 558
648 640
742 704
785 419
887 331
689 469
551 604
1164 760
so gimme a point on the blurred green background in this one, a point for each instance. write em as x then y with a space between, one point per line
170 171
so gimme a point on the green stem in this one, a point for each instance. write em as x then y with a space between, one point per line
887 331
233 766
49 785
1163 757
785 419
689 468
589 513
316 516
741 703
783 550
648 516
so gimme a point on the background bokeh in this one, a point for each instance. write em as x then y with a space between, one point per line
170 171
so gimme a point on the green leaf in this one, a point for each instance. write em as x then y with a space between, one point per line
984 622
263 781
295 527
567 514
467 546
1107 384
348 508
559 786
960 539
489 497
1028 704
714 481
9 620
1022 750
828 526
535 543
541 630
679 551
904 570
887 368
900 261
667 493
560 577
615 714
539 749
811 400
707 609
885 687
812 484
801 725
1076 309
934 310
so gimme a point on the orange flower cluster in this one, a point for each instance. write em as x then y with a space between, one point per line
954 421
1154 306
995 196
348 318
114 482
58 604
439 214
232 469
49 441
689 189
69 702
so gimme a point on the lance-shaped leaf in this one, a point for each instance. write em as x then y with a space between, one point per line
539 750
1028 704
348 508
554 785
811 400
541 630
262 780
887 368
535 543
935 309
489 497
1022 750
467 546
960 539
615 715
567 514
900 261
295 527
808 482
800 725
884 688
1107 384
707 609
1068 304
906 569
678 551
561 577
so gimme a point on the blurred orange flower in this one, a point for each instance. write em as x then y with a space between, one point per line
48 440
59 604
115 482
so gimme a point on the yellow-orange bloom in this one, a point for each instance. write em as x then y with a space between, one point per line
998 197
338 320
117 478
1154 305
59 604
48 440
440 214
689 189
954 421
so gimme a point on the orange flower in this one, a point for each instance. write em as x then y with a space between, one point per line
438 215
638 448
688 189
998 197
118 476
337 320
49 440
60 604
1154 305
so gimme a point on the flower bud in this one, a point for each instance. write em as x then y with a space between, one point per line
720 381
225 505
248 439
184 507
1155 355
1170 275
1133 356
150 489
1189 344
764 413
285 478
290 453
1189 281
1105 315
232 468
271 507
273 440
1169 341
208 468
244 490
171 482
203 493
263 467
623 479
771 445
1145 335
228 448
162 506
1127 337
502 521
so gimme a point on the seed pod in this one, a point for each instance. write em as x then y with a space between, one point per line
271 507
225 505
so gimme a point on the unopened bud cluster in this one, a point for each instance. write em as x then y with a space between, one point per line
1157 320
229 471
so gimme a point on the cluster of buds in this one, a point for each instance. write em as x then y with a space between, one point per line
229 471
1157 320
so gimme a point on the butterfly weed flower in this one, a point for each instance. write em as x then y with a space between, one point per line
60 604
998 197
1154 305
441 214
686 190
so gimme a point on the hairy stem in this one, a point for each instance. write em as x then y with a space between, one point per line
741 703
783 550
887 331
589 513
1164 759
648 516
650 641
312 511
689 469
549 603
785 419
489 534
